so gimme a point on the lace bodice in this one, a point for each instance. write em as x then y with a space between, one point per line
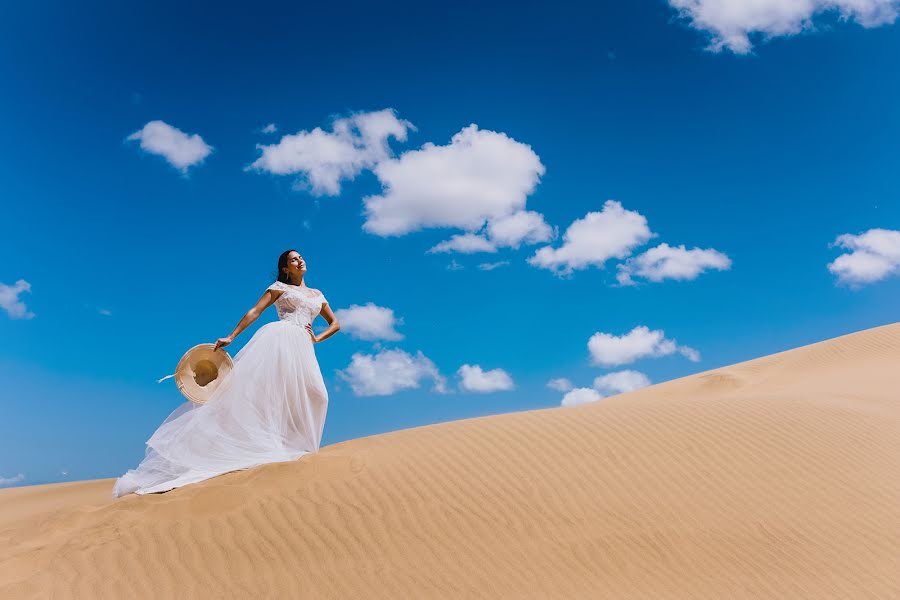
297 304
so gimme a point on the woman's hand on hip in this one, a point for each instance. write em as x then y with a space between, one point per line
311 334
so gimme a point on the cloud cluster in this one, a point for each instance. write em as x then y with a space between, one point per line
611 384
323 159
390 371
610 350
474 379
180 149
615 232
369 322
12 303
668 262
510 231
730 23
478 183
874 255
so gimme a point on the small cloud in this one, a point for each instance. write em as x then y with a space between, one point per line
10 302
181 150
620 382
270 128
610 350
454 266
493 265
105 312
389 372
4 481
369 322
306 224
668 262
581 396
467 243
595 238
474 379
874 255
560 384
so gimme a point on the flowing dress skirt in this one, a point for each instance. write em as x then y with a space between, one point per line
271 408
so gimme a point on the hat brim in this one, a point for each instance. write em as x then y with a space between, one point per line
201 371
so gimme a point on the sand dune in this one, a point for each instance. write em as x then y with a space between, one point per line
777 478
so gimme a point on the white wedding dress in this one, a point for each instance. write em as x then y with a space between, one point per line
270 408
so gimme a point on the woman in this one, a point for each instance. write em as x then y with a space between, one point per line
271 408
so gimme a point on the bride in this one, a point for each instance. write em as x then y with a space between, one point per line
271 408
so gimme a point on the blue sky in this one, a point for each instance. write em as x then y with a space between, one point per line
755 149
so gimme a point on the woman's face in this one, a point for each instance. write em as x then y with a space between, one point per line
296 266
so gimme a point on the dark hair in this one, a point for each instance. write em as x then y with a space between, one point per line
282 263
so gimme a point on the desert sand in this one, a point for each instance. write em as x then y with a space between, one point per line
777 478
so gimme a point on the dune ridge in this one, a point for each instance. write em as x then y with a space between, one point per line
773 478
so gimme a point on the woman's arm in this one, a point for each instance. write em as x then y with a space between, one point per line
264 302
333 325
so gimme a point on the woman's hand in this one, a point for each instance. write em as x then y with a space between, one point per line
311 334
222 342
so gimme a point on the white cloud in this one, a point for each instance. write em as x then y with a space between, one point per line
465 243
668 262
560 384
474 379
581 396
620 382
524 226
874 255
610 350
480 176
388 372
592 240
10 301
493 265
369 322
270 128
11 480
323 159
730 23
179 148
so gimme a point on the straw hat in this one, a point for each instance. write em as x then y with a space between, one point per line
201 371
